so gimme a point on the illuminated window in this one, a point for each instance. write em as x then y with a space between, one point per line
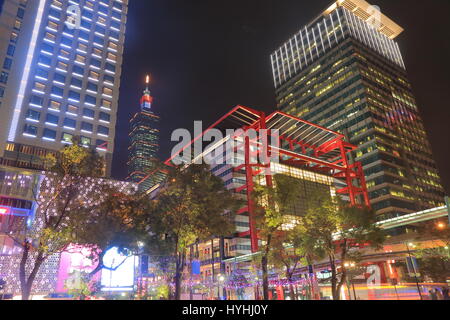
89 4
106 104
64 54
107 91
112 57
52 25
80 59
66 138
62 66
49 36
113 46
17 25
54 105
57 3
38 86
82 47
72 110
94 75
85 141
97 52
101 20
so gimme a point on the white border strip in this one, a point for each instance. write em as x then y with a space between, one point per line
26 72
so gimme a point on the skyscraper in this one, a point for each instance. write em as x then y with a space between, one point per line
60 77
144 144
345 71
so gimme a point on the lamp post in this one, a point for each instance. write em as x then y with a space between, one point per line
350 266
414 270
220 279
139 280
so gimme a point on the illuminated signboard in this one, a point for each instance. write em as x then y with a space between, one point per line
120 273
14 211
74 260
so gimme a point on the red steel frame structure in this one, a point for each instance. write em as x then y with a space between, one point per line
301 144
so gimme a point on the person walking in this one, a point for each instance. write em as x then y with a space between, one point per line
439 295
445 293
433 295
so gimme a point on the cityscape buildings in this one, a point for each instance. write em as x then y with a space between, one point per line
345 71
144 147
60 77
347 125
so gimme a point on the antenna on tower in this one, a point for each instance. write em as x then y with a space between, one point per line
147 99
147 80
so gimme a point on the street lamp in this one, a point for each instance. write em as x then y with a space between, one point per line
441 226
221 279
139 285
414 268
351 265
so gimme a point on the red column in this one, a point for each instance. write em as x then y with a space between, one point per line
251 212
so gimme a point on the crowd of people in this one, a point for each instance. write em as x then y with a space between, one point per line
439 294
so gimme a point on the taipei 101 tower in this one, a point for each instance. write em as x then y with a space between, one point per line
144 143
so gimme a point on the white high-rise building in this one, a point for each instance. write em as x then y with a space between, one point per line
60 67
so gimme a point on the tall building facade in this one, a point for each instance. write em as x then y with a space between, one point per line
345 71
60 76
144 144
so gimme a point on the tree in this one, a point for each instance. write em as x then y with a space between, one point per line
119 221
64 190
77 285
335 230
285 254
435 263
275 209
194 205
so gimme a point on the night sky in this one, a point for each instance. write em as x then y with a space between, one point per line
207 56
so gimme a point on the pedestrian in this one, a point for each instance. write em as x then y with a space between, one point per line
445 293
433 295
439 295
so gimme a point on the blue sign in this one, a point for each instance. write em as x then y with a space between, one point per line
196 267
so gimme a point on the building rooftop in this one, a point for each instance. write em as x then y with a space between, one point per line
366 12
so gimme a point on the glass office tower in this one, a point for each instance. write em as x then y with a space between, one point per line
61 65
345 71
144 145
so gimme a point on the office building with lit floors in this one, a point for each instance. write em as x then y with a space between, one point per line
60 73
345 71
144 145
